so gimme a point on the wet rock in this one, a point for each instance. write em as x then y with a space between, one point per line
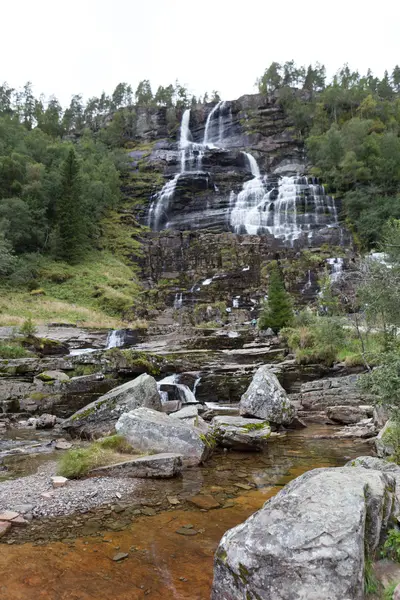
149 430
52 376
346 414
309 541
204 502
62 445
120 556
156 465
99 417
266 399
185 531
46 421
241 434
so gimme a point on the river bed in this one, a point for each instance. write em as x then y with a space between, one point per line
64 562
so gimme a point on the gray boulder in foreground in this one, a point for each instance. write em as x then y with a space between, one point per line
239 433
151 431
99 417
266 399
156 465
309 541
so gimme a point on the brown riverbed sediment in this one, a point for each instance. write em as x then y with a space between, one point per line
162 563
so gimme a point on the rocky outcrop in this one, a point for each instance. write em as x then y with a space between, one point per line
266 399
309 541
159 466
335 398
386 440
99 417
151 431
239 433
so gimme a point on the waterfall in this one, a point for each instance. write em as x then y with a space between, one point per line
185 394
336 265
285 208
206 138
115 339
196 383
308 283
178 301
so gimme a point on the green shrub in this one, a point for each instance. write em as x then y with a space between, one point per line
371 583
391 547
277 312
28 328
117 443
389 591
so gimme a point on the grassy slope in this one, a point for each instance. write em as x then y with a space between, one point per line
101 291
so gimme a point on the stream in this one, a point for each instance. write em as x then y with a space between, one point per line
72 557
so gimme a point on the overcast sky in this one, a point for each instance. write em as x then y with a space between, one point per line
87 46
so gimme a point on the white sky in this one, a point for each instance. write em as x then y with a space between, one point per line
87 46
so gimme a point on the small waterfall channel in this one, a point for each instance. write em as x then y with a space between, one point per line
185 394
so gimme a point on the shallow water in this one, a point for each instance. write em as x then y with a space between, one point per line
162 563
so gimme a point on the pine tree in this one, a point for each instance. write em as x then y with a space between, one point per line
71 222
277 311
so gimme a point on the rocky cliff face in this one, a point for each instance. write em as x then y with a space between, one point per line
224 189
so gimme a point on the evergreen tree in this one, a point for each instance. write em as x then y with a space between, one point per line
277 311
71 239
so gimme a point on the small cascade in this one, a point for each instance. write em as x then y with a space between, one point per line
218 119
308 283
178 301
235 302
336 265
286 208
116 339
196 383
186 396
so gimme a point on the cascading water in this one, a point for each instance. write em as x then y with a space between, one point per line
115 339
178 301
184 392
336 265
285 208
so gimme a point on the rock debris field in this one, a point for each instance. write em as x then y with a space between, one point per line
25 495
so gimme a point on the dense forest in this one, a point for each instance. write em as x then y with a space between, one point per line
350 126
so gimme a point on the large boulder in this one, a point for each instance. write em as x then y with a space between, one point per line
266 399
239 433
309 541
151 431
99 417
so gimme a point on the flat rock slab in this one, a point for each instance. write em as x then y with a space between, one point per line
204 502
8 515
185 531
162 466
58 481
5 526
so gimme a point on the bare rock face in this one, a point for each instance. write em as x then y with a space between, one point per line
266 399
148 430
347 414
99 417
239 433
309 541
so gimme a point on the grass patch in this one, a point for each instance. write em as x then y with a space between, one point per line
79 462
11 349
101 291
117 443
371 583
391 547
389 591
